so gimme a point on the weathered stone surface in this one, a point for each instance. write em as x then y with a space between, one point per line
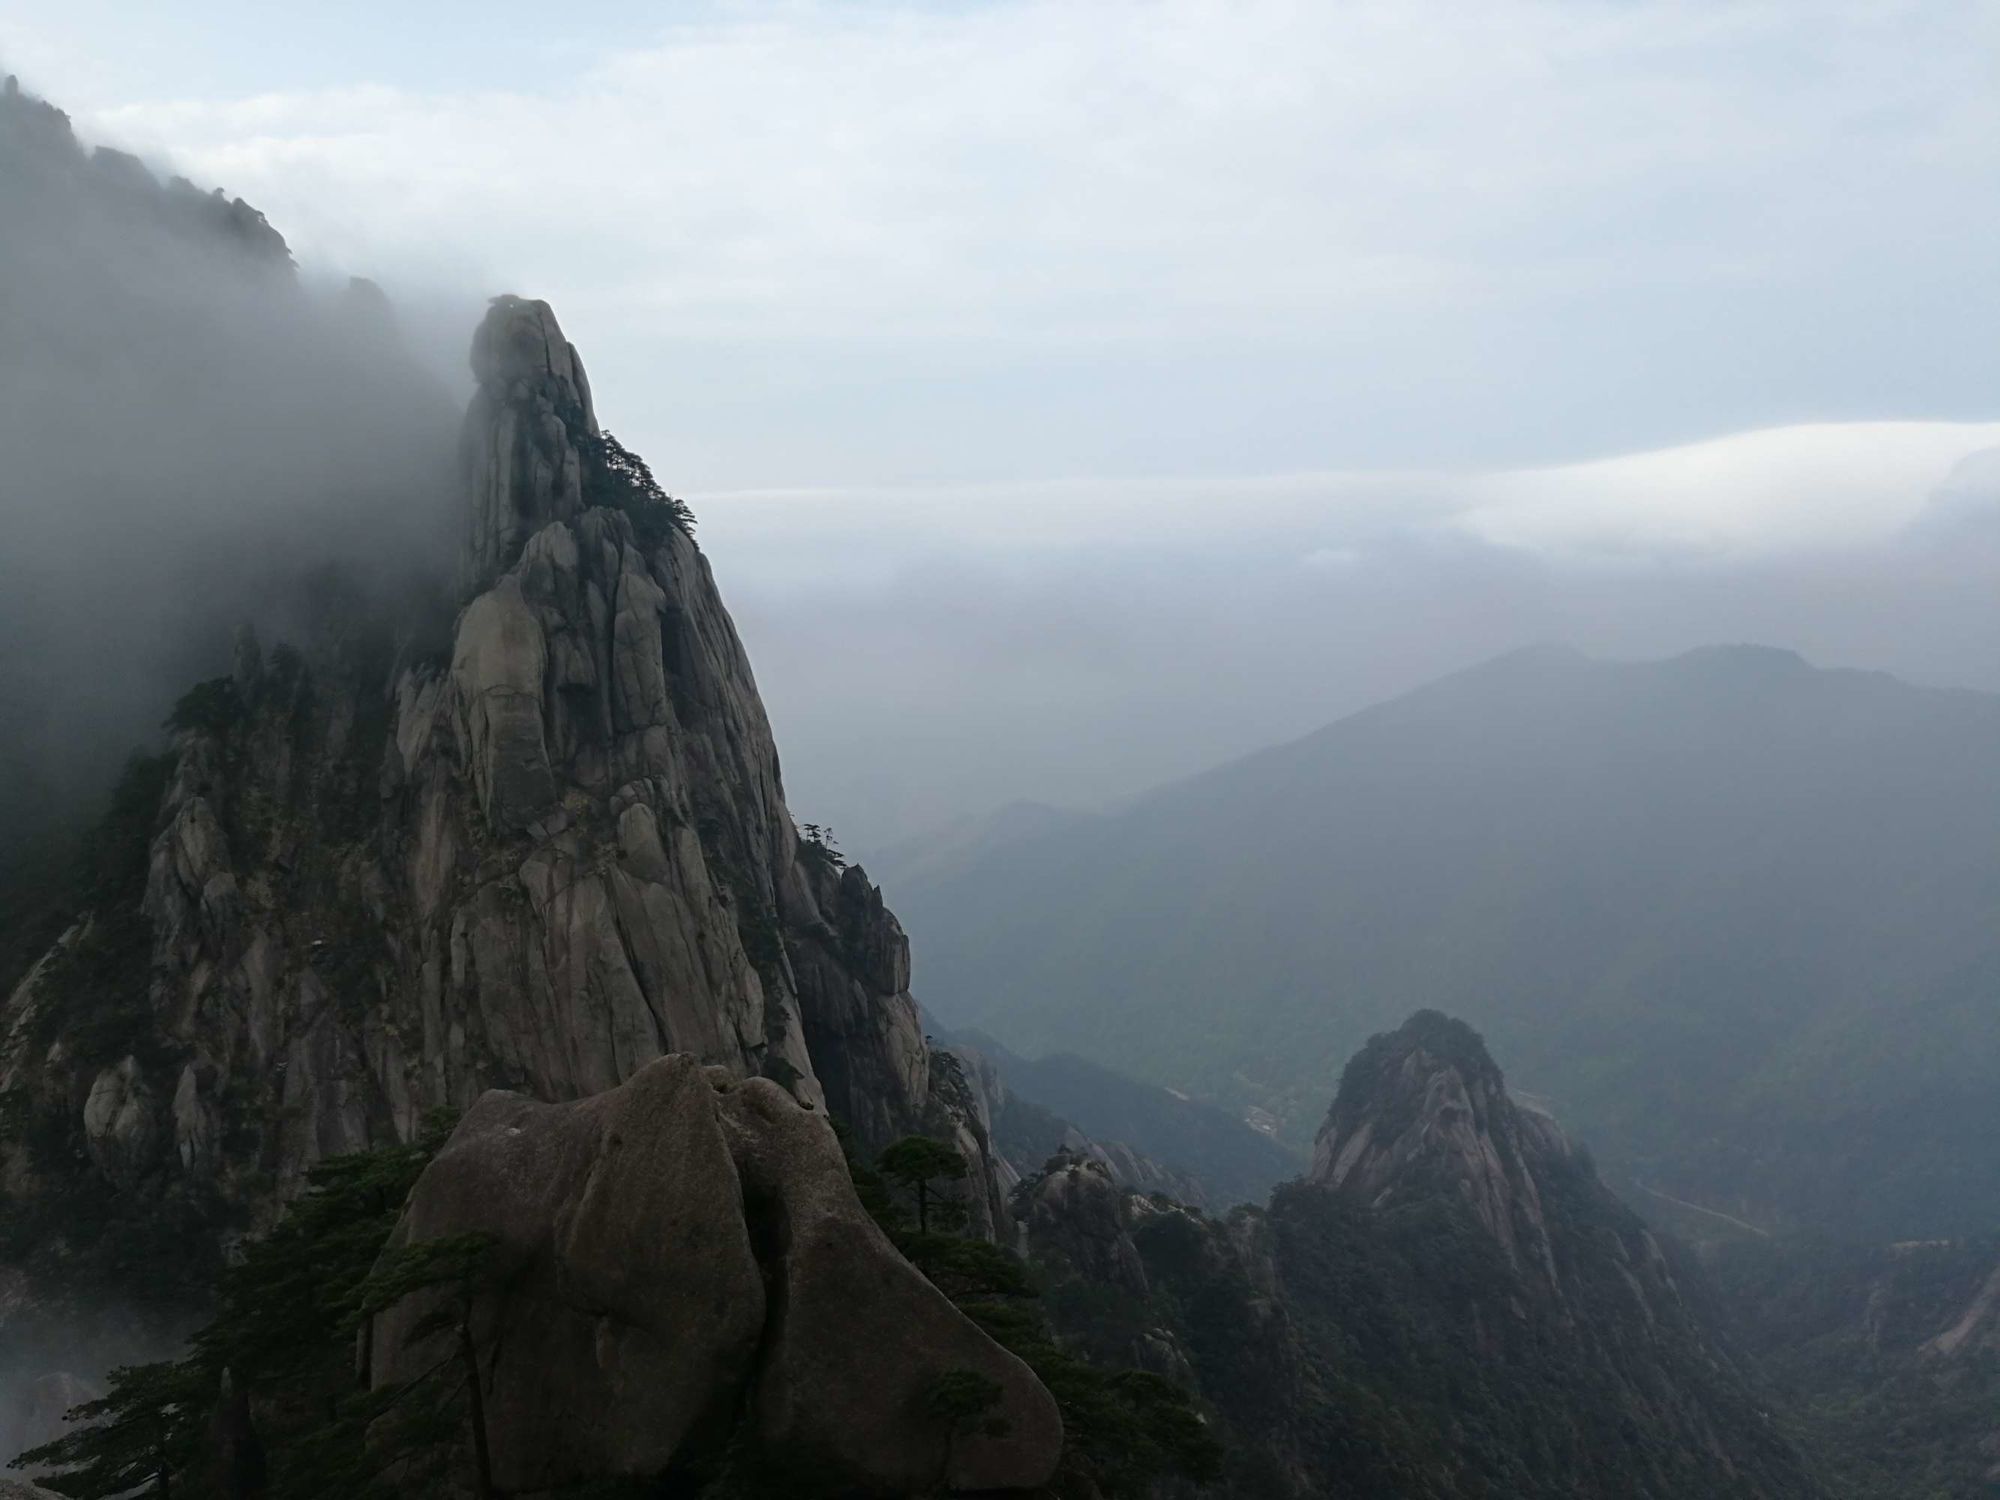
1079 1212
520 455
497 669
629 1317
861 1338
627 1304
1425 1108
119 1122
1079 1224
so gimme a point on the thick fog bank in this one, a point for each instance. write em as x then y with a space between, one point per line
191 439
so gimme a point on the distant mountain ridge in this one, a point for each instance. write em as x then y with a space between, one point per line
939 853
1210 1159
1887 1356
1720 909
1450 1304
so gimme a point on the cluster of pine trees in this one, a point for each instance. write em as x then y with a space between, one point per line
1124 1430
291 1329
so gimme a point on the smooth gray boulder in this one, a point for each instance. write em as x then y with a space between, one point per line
626 1304
119 1123
683 1253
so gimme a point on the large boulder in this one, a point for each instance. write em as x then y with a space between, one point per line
863 1340
626 1305
119 1124
684 1253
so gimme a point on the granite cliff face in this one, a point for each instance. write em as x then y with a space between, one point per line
1448 1304
534 840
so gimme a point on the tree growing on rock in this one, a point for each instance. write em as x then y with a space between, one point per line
284 1332
962 1401
924 1168
448 1273
616 476
817 848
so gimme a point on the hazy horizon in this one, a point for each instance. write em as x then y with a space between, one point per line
1074 399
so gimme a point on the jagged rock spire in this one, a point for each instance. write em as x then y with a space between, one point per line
1423 1110
524 431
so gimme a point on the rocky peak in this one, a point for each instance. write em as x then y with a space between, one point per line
524 433
538 854
1424 1109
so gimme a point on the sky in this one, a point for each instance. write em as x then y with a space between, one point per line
1076 394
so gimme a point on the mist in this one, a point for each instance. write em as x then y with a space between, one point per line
929 656
199 428
197 436
1170 380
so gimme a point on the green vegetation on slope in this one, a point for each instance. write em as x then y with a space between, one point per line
1720 910
1232 1162
284 1329
1123 1429
1841 1332
277 1382
1469 1312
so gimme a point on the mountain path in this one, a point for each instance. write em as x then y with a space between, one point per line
1713 1213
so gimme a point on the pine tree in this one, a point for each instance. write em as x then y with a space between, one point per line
285 1330
962 1401
448 1273
922 1166
141 1435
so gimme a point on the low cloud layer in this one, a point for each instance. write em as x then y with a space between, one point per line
193 439
929 654
1421 323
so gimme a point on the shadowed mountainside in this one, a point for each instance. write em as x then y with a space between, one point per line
1722 910
1449 1304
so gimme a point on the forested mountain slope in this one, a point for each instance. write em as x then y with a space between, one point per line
1722 910
1449 1304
